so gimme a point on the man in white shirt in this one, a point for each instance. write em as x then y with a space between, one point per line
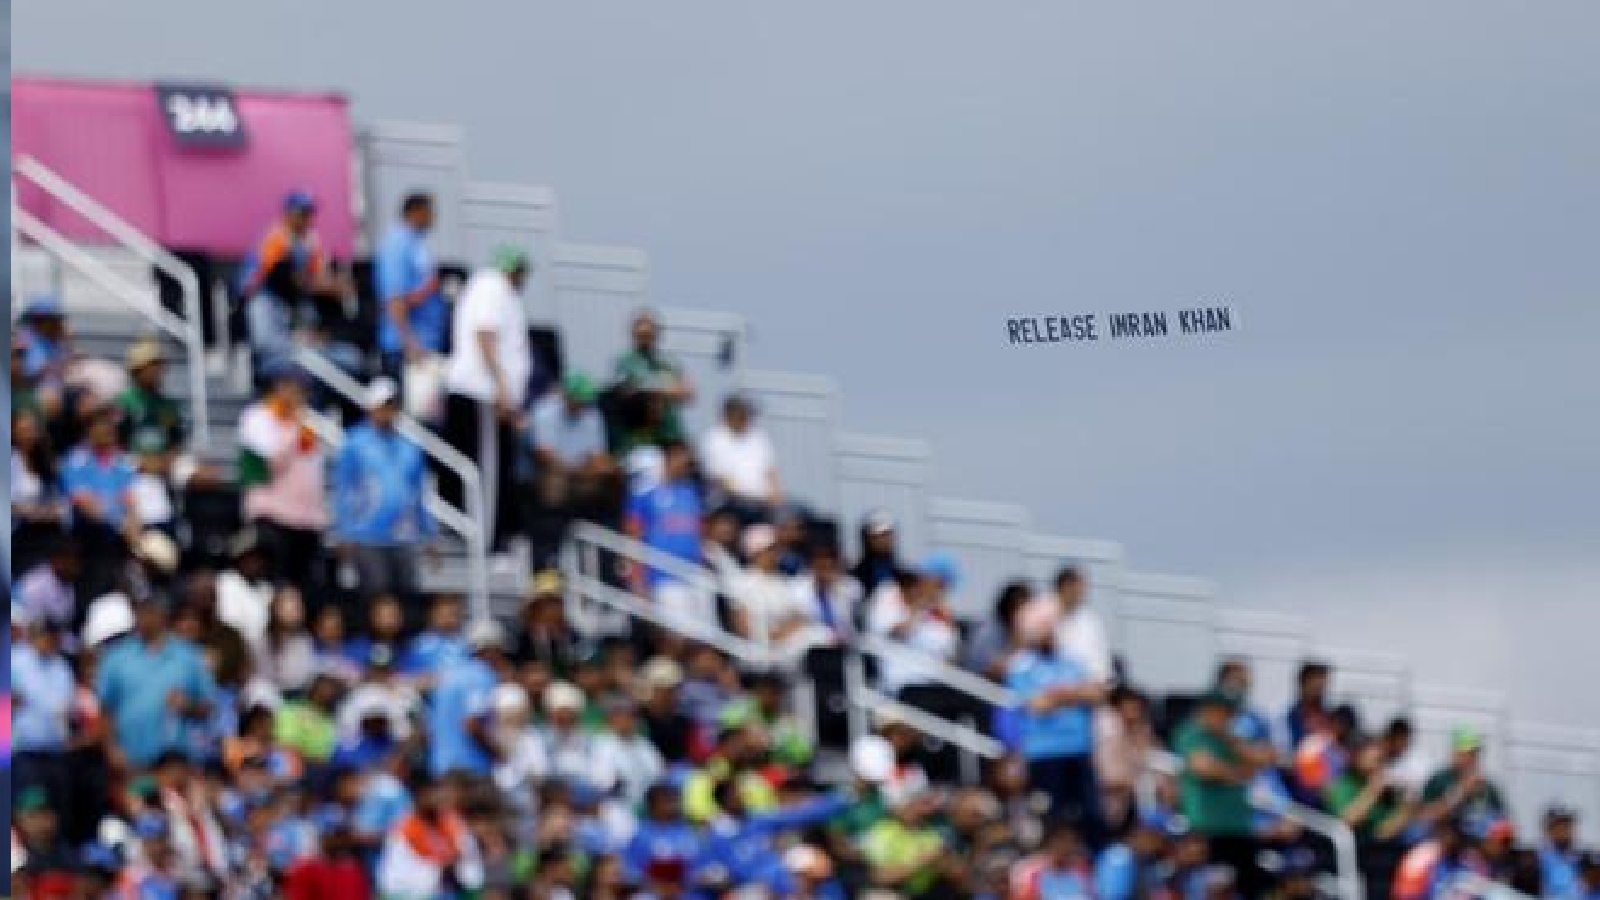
739 459
1082 633
486 382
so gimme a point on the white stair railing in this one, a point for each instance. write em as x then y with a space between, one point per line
189 331
471 523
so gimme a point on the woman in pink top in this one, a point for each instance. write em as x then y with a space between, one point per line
281 468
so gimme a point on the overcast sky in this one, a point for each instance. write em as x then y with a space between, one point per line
1403 204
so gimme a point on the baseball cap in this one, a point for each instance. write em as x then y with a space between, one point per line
1559 812
1464 739
944 567
143 353
579 387
510 259
299 201
663 672
108 618
380 391
562 695
758 539
545 583
32 799
45 306
285 370
483 634
155 548
881 522
509 698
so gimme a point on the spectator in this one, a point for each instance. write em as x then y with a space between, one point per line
335 872
1462 789
574 754
625 750
905 850
306 727
225 648
1124 741
740 462
487 382
244 592
667 518
573 468
281 472
880 561
385 625
97 479
654 385
429 848
151 683
1133 867
741 846
457 725
763 707
990 650
43 691
1217 771
1325 752
1408 769
288 655
914 613
1559 859
664 722
1311 698
827 597
1377 811
1059 696
1082 632
46 349
38 505
149 418
379 484
42 864
1061 868
193 829
287 267
47 593
545 636
663 834
1234 679
440 645
764 606
415 316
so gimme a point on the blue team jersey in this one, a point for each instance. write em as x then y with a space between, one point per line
668 518
403 263
1065 730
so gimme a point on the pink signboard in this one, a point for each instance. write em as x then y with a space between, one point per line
114 142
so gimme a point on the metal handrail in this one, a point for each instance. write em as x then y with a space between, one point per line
192 335
1339 834
470 523
939 670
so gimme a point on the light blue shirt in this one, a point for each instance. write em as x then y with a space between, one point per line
463 693
133 685
403 264
106 477
1559 871
1065 730
571 439
379 480
42 691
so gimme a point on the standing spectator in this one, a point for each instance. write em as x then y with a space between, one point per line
281 469
43 692
151 684
1234 680
1124 740
38 506
1558 854
457 720
487 383
1082 633
1214 789
150 419
1377 811
98 480
1462 789
1311 699
379 481
740 462
46 348
990 650
667 518
415 317
880 560
1058 695
441 645
653 385
286 268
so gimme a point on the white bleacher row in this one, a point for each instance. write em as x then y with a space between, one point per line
1171 630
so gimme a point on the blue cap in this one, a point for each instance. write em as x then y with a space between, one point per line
299 201
276 370
944 567
43 306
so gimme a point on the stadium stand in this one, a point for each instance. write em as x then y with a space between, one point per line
785 667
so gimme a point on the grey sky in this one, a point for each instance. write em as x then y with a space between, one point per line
1402 203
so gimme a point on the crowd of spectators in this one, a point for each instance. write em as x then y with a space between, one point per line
282 711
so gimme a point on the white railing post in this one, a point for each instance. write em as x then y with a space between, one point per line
130 238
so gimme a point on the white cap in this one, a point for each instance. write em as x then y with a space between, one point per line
485 633
872 759
562 695
880 521
108 617
381 390
663 672
158 550
758 538
509 698
806 860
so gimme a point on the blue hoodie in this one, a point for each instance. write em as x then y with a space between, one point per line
744 849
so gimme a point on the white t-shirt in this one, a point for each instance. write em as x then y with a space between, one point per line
742 461
765 596
489 303
929 635
1082 636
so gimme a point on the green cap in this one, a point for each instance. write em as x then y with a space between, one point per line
510 259
579 387
32 799
1465 739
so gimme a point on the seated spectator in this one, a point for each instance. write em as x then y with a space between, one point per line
906 852
1463 790
415 317
43 691
545 636
990 650
1061 868
740 463
1082 632
1325 752
914 613
385 625
150 683
764 607
306 726
97 479
281 468
667 519
381 707
742 847
38 504
229 655
428 848
764 708
573 466
380 481
663 834
42 863
47 593
663 720
624 749
1559 859
739 756
244 590
720 544
520 757
1218 768
827 597
1408 769
150 418
1311 698
1133 867
880 561
654 384
1377 811
288 655
1058 697
46 350
440 645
